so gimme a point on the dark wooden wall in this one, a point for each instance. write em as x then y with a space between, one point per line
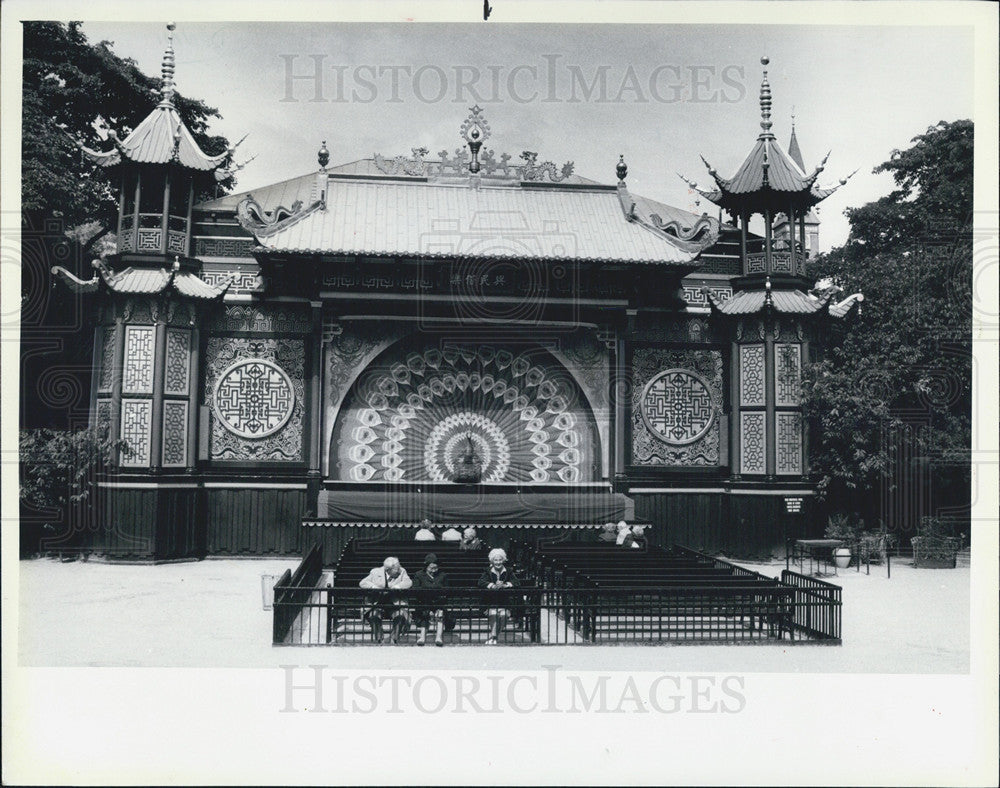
254 521
741 526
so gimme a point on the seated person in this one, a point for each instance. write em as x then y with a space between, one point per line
636 538
497 576
425 534
623 532
470 541
608 534
430 610
390 575
451 535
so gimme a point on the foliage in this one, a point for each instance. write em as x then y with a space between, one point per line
844 526
71 88
906 359
58 466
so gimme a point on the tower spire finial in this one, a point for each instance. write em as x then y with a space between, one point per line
167 71
765 101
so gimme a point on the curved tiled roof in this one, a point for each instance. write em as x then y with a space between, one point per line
400 217
141 281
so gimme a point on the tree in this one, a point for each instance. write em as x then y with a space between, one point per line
892 396
57 471
72 91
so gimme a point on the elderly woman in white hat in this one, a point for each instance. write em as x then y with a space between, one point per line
497 577
390 575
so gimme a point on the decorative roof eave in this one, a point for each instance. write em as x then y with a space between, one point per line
757 301
133 281
842 309
694 239
262 224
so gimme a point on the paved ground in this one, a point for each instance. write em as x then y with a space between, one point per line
210 614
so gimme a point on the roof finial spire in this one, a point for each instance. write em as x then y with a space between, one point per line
167 91
765 101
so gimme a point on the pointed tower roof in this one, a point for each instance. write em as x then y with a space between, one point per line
162 137
793 147
769 177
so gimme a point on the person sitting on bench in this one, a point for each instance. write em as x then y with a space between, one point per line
425 534
390 575
608 534
470 541
623 532
497 576
427 610
635 538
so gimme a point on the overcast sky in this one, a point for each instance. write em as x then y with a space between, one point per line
661 95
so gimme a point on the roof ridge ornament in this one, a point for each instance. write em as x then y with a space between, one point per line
621 169
475 130
167 69
765 103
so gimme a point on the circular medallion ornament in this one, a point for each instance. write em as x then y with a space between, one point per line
677 406
254 398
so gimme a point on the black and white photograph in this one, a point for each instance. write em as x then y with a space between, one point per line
501 392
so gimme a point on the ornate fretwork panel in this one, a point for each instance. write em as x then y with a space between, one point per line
789 443
223 247
136 416
104 380
138 371
253 398
176 380
788 374
677 396
752 391
753 442
103 416
251 318
175 423
694 295
259 415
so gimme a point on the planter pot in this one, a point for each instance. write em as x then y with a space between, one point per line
842 557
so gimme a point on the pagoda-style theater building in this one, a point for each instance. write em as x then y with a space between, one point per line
466 337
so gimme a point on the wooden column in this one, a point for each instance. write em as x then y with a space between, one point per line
767 242
159 369
734 410
802 232
621 434
611 344
117 373
803 359
121 204
165 224
769 367
194 387
135 210
744 219
190 206
314 373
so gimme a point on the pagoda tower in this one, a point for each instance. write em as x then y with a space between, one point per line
150 299
771 320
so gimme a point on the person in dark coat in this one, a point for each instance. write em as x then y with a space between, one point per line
497 577
470 541
427 610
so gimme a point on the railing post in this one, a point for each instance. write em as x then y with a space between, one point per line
329 613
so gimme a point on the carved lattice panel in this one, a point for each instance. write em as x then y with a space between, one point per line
103 416
788 374
136 416
676 399
175 433
150 240
177 373
278 443
752 375
104 380
137 377
753 443
789 443
253 398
